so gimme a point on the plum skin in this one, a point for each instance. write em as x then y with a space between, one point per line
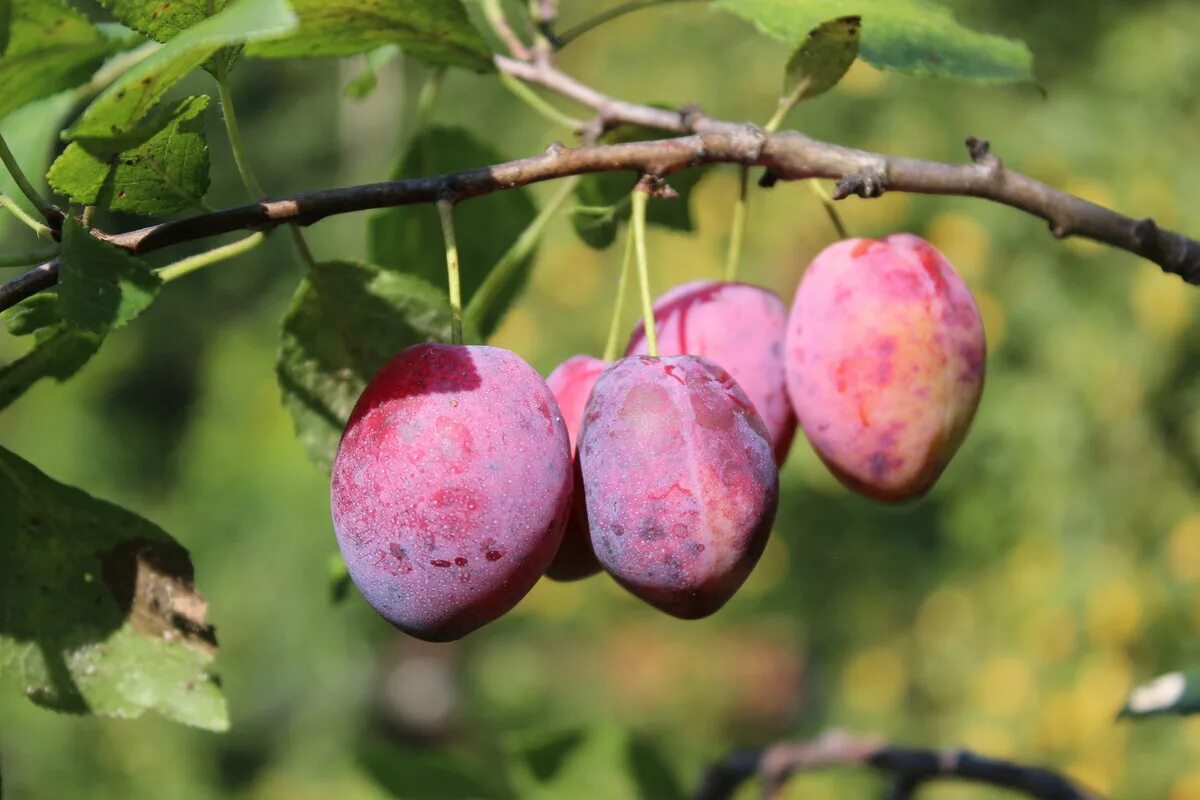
680 481
451 487
572 382
739 326
885 362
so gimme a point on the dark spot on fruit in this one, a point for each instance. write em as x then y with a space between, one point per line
493 555
440 562
460 561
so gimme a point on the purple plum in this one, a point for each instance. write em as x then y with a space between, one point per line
451 487
680 481
885 363
742 328
572 382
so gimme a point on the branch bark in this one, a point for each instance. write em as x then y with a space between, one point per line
907 768
788 155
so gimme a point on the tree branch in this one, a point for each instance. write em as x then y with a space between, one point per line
788 155
908 768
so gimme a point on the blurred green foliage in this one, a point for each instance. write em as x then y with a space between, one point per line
1056 565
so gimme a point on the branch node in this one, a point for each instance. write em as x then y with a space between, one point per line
980 149
1145 232
556 149
655 186
867 184
691 116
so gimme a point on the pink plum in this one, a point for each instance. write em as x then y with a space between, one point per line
680 481
885 363
451 487
742 328
572 382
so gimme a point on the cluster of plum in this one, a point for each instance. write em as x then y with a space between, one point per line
463 477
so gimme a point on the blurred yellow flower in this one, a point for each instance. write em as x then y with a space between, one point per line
1114 611
1002 686
1183 549
874 680
962 240
1163 305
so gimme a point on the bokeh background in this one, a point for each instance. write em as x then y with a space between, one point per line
1055 566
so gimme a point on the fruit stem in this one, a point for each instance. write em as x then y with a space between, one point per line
737 230
507 271
827 203
614 327
446 212
641 195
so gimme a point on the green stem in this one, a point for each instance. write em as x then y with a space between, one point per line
446 212
26 259
640 197
614 327
215 256
576 31
233 131
737 231
786 104
427 99
503 273
44 207
830 209
42 231
538 103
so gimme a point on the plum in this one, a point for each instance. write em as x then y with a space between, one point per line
572 382
451 487
742 328
680 481
885 363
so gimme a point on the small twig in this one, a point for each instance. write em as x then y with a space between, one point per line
907 768
51 213
186 266
575 31
499 24
788 155
11 206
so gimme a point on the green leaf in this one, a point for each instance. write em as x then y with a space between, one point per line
32 314
415 774
437 31
100 613
159 20
346 321
166 174
409 238
32 133
913 36
5 22
824 58
603 197
51 47
362 86
1173 693
59 351
111 121
100 287
605 761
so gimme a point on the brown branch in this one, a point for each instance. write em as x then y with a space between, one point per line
907 768
788 155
